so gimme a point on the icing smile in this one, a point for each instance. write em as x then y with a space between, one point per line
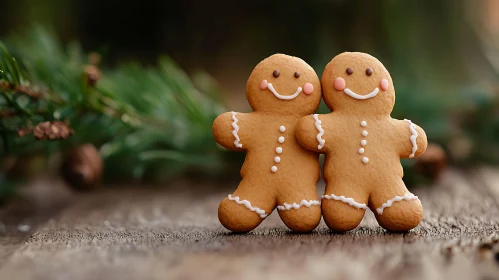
361 97
284 97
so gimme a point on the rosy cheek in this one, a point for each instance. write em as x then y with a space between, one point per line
308 88
339 84
384 84
264 84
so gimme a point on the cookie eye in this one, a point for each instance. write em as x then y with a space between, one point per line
349 71
276 73
297 75
369 71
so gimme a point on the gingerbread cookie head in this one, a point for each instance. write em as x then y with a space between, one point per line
358 81
284 84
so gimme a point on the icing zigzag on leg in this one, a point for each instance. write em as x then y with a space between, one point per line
295 205
247 204
388 203
348 200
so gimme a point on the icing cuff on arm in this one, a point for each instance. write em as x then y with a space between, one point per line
414 136
236 130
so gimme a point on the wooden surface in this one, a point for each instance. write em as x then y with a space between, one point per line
174 233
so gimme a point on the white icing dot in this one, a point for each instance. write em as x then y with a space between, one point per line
277 159
363 142
278 150
282 128
365 160
274 168
361 150
364 133
280 139
363 123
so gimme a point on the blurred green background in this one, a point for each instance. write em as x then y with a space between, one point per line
142 81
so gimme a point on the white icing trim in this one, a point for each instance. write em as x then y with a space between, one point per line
413 137
321 131
361 97
284 97
294 205
388 203
236 130
247 204
348 200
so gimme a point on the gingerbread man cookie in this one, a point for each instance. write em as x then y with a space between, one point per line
363 146
277 171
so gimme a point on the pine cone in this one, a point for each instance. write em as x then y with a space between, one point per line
24 131
94 58
51 130
92 74
432 163
82 167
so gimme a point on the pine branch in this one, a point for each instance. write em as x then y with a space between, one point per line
132 112
4 85
9 113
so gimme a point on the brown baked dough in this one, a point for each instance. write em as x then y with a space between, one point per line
362 174
292 187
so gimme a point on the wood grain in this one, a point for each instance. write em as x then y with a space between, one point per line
174 233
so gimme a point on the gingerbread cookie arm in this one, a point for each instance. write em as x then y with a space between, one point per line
411 139
228 131
310 133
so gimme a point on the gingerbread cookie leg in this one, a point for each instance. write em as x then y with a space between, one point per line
246 208
343 206
300 210
395 208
